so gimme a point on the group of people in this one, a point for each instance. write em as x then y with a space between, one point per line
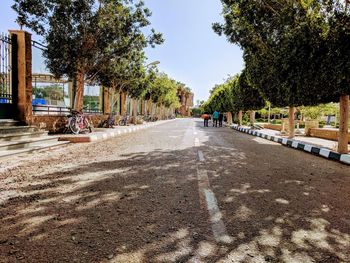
217 117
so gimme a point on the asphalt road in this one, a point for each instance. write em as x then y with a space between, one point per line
177 192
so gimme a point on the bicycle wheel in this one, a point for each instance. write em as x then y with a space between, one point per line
121 122
74 125
87 125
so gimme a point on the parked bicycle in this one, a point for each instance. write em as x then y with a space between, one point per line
110 122
147 118
124 120
78 122
154 118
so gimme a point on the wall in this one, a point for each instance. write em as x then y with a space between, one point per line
57 124
276 127
325 134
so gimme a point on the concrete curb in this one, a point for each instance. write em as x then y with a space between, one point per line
323 152
100 136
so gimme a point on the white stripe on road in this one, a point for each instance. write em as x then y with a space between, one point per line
207 197
196 142
218 226
201 156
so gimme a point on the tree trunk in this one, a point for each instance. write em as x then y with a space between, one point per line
149 107
143 105
107 107
252 117
134 111
229 118
122 103
291 125
343 139
240 118
79 92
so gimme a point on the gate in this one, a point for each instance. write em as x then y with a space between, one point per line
6 98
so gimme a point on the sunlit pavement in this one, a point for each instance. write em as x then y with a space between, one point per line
177 192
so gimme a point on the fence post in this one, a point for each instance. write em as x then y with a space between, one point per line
22 74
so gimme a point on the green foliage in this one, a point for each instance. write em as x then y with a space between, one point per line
296 52
54 92
316 112
197 112
234 95
247 97
93 102
83 36
163 91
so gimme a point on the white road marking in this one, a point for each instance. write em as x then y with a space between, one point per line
218 226
207 198
196 142
201 156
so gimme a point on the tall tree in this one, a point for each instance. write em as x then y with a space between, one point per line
83 35
290 47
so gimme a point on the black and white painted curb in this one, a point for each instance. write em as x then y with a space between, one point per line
324 152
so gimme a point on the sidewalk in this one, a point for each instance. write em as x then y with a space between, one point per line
317 146
100 134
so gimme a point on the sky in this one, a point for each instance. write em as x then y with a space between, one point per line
192 53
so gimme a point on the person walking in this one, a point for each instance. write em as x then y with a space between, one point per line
221 117
215 118
205 117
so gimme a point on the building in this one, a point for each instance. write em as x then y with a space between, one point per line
186 100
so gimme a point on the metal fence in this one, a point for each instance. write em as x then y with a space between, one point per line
49 110
5 70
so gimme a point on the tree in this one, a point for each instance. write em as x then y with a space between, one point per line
285 44
162 91
54 92
235 95
82 36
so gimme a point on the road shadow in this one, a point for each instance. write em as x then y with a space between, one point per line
144 207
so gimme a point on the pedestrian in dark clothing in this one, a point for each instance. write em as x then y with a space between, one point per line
205 116
221 117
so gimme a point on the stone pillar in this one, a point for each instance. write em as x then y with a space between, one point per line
106 106
22 74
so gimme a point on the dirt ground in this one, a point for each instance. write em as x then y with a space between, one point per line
138 198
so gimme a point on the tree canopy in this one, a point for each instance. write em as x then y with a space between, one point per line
290 48
234 95
87 39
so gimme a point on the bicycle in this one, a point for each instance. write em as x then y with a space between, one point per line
124 120
110 122
147 118
78 122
